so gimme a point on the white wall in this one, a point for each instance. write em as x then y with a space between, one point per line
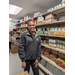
11 25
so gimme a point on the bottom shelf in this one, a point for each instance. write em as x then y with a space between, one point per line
43 68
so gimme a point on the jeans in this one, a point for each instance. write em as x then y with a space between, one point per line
31 62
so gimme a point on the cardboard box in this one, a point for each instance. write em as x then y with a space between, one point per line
14 48
24 73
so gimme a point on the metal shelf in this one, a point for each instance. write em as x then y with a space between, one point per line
53 63
56 22
43 68
51 35
56 49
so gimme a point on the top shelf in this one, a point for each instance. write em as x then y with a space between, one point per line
55 11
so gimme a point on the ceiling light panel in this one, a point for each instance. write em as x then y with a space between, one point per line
13 9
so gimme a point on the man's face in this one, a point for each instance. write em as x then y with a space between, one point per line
31 26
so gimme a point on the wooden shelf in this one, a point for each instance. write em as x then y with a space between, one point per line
56 22
21 27
55 11
51 35
53 63
43 68
56 49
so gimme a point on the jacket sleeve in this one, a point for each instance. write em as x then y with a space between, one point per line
39 50
21 48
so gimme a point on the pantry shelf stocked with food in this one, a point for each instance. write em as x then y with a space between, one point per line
56 49
43 68
51 27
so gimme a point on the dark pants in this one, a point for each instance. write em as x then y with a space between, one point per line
9 45
31 62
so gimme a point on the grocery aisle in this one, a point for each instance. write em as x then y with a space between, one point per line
15 65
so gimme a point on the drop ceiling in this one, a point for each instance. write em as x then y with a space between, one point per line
31 6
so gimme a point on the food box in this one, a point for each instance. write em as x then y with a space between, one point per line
50 16
48 20
51 31
54 52
46 54
58 31
24 73
52 57
61 55
47 50
60 63
14 48
40 19
54 30
37 14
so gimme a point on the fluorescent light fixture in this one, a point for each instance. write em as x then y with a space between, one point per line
13 9
10 19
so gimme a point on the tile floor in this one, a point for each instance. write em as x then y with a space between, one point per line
15 65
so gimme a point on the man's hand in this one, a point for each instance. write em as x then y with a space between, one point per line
36 63
23 64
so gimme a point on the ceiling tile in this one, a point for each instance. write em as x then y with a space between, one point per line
43 3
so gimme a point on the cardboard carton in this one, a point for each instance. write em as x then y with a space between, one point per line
24 73
14 48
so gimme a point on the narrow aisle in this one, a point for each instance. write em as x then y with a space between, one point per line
15 65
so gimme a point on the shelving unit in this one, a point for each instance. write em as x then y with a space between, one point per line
43 68
21 27
57 24
56 49
51 35
53 63
55 11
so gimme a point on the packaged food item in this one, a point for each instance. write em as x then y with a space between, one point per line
63 46
54 52
51 31
54 45
60 5
58 45
48 10
63 1
63 42
46 54
60 63
50 16
48 20
51 9
47 50
55 7
37 14
61 55
63 4
54 30
40 20
58 31
52 57
26 18
58 41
